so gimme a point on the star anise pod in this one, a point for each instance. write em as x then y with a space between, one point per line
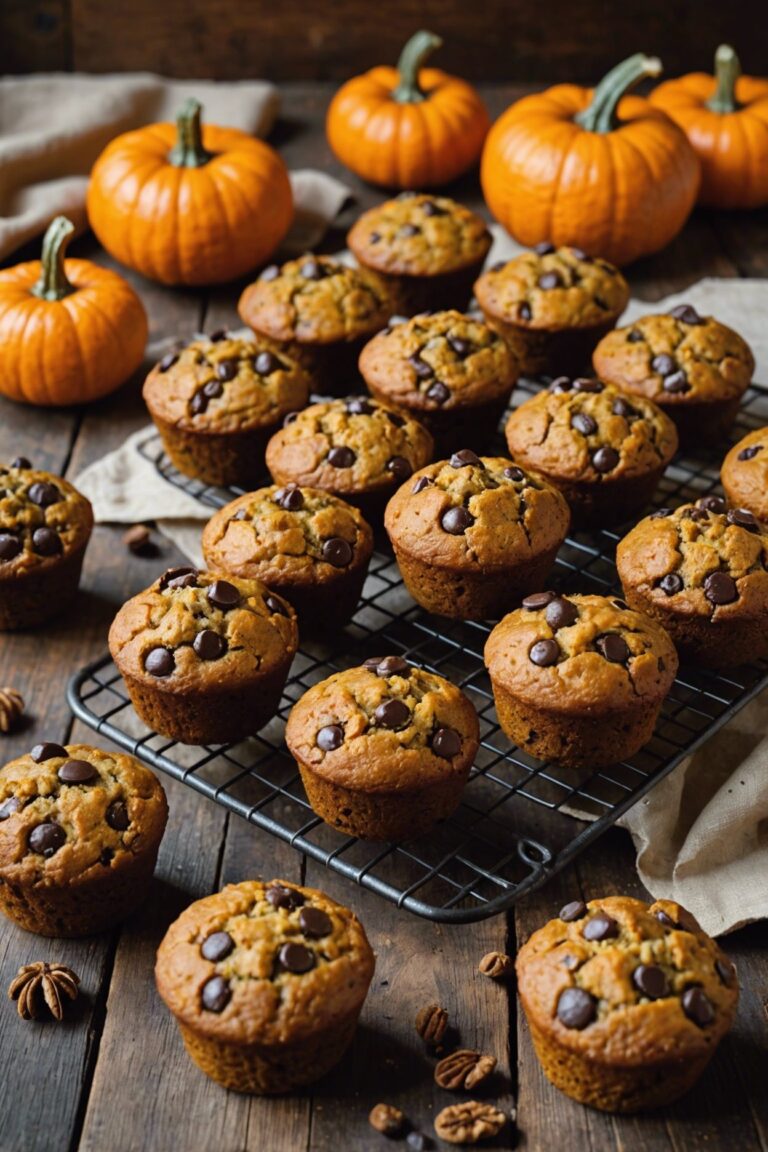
50 981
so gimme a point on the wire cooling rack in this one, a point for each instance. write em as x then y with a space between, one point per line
520 820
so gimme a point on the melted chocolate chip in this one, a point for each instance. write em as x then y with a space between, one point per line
77 772
392 714
290 498
538 600
216 994
720 588
635 336
389 666
46 542
21 462
159 662
311 270
226 370
208 645
275 606
524 311
742 518
10 546
575 910
217 946
665 919
543 248
429 208
218 334
576 1008
671 584
359 406
400 468
46 751
466 458
168 361
620 407
605 459
446 742
676 383
337 552
9 806
586 384
178 578
396 419
456 521
614 648
549 280
341 457
544 653
266 363
460 347
438 392
650 981
622 604
423 370
686 313
698 1007
213 389
712 504
422 483
583 423
44 494
289 418
280 897
117 816
315 923
561 613
664 364
223 595
330 737
514 473
374 237
46 839
199 403
296 958
600 927
409 230
580 254
750 452
271 272
660 514
725 971
561 384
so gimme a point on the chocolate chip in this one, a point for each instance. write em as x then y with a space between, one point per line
538 600
212 389
621 604
390 666
276 607
46 542
429 208
218 334
314 922
544 653
575 910
549 280
725 971
223 595
422 483
44 494
660 514
46 751
614 648
498 266
159 662
524 311
664 364
217 946
446 742
9 806
750 452
21 462
600 927
620 407
337 552
311 270
266 363
77 772
687 313
580 254
397 420
408 230
290 498
712 504
10 546
514 473
742 518
720 588
665 919
392 714
576 1008
199 403
583 423
605 459
651 981
374 237
635 336
459 346
182 577
106 857
676 383
289 418
671 584
117 816
225 370
341 457
271 272
456 521
561 613
280 897
544 248
698 1007
466 458
400 468
561 384
569 962
209 645
438 392
586 384
296 958
330 737
699 515
359 406
46 839
216 994
423 370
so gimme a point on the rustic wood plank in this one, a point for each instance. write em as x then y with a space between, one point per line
35 36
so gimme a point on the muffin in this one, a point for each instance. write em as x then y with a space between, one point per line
692 366
744 474
605 451
552 305
320 313
451 372
358 448
204 659
427 249
384 750
266 982
45 526
217 401
474 534
304 543
579 680
701 572
80 829
626 1001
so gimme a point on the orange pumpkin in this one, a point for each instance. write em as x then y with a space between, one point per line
410 126
725 117
70 331
597 169
188 205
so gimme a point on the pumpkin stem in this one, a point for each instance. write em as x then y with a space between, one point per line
727 72
53 283
600 113
412 59
188 151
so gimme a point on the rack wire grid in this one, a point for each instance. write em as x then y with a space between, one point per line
520 820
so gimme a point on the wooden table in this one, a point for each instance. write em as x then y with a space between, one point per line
114 1077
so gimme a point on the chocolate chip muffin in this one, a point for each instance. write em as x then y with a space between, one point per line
474 534
320 313
266 982
80 829
451 372
701 572
204 659
744 474
384 750
604 450
626 1001
427 249
552 305
579 680
217 401
304 543
45 526
358 448
692 366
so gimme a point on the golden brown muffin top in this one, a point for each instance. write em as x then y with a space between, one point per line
416 234
42 519
568 653
626 983
588 431
264 963
315 300
194 630
699 560
353 445
70 813
287 535
438 360
677 358
476 510
553 288
224 384
744 474
386 726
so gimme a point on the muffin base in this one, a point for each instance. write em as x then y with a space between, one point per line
32 599
606 502
710 643
540 352
413 294
218 458
702 424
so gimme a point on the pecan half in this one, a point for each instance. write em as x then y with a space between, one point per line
496 965
465 1068
431 1023
469 1122
387 1119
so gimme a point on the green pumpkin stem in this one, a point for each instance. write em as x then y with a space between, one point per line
412 59
600 113
53 283
727 72
188 151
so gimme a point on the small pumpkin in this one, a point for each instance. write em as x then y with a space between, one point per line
725 117
190 205
597 169
70 331
410 126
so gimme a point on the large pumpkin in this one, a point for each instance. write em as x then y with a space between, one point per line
188 205
596 169
70 331
410 126
725 117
